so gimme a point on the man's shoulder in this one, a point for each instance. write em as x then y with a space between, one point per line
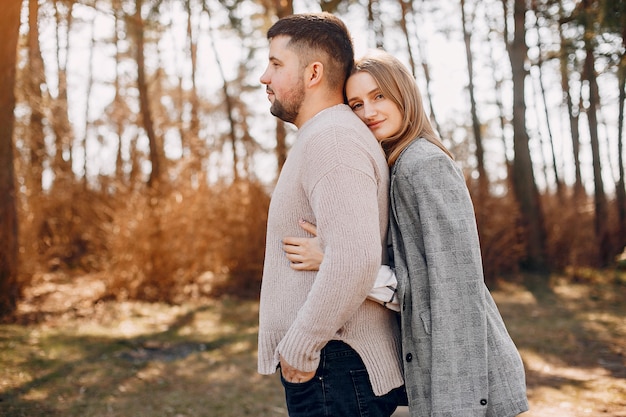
336 136
332 118
337 110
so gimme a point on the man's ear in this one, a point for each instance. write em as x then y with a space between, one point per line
314 74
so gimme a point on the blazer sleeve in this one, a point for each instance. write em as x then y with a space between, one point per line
433 188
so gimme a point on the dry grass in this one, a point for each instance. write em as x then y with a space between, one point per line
571 332
73 356
132 358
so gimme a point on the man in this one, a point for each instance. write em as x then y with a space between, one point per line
339 354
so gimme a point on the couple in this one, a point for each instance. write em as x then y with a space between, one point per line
339 353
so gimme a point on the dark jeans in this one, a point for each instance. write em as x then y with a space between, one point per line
340 388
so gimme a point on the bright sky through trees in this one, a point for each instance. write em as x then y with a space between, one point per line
441 46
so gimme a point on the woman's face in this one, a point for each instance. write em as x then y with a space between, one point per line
379 113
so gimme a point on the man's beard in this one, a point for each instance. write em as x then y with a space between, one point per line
290 110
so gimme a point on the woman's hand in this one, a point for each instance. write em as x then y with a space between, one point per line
304 253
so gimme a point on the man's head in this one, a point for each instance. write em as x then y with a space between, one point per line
306 50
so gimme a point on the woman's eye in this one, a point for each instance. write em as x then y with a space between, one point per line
379 96
356 106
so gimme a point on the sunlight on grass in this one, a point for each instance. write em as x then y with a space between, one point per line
36 395
551 368
571 336
199 359
509 293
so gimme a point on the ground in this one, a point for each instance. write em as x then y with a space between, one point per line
71 354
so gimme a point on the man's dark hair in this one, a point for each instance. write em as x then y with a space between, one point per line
312 33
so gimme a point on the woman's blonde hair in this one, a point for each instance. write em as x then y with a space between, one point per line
397 84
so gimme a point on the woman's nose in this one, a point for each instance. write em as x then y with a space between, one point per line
369 110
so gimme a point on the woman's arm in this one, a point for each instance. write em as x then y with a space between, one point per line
304 253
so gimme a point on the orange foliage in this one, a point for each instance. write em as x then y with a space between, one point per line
501 237
189 242
571 238
181 243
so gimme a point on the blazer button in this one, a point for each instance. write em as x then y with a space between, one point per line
483 402
409 357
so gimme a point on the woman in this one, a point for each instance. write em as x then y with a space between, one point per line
459 359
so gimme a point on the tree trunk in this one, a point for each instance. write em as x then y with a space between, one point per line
280 8
9 284
281 144
408 10
557 178
90 82
197 152
483 182
34 80
329 6
117 101
572 112
228 101
620 187
375 23
600 202
61 125
498 80
523 178
144 98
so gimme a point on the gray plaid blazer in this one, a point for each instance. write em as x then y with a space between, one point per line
459 360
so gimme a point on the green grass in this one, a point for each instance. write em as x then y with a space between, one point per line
145 360
133 359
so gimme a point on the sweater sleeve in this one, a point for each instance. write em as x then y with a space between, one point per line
436 188
345 202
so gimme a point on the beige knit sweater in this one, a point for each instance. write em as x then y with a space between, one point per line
336 177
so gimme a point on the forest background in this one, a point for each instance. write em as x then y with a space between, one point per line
136 141
138 156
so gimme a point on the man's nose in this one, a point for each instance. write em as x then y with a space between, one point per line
264 78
